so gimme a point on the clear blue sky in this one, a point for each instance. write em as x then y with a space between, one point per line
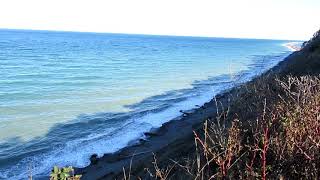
273 19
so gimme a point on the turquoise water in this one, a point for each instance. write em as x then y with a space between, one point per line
66 95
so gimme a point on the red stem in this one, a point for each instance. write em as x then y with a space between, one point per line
264 153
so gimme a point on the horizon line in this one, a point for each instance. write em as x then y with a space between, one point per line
168 35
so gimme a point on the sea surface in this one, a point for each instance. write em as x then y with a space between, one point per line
67 95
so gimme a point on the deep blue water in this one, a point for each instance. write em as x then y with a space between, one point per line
66 95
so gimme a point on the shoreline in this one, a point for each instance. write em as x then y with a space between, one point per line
168 139
169 135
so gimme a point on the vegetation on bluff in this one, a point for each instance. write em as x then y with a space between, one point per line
281 141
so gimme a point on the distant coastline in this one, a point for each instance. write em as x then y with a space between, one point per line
293 46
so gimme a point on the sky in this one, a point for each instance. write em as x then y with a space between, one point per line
266 19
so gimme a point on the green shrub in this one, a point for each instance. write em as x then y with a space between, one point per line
64 173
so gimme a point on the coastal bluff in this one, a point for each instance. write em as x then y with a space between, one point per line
182 149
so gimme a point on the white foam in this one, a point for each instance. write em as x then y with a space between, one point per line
77 152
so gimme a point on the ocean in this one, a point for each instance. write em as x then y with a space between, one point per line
67 95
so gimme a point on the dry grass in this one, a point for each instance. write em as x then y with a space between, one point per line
280 142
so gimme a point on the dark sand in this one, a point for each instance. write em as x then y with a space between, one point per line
168 139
